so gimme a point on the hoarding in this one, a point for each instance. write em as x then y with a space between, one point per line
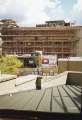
49 60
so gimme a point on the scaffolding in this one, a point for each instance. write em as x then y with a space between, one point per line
51 40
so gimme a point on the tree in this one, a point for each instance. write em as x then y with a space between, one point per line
9 64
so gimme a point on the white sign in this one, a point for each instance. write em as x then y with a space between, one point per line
52 59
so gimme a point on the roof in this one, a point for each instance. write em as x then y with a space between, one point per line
66 28
61 99
56 21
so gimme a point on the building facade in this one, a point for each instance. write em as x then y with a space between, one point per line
52 38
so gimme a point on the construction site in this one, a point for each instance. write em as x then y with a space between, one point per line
53 88
52 38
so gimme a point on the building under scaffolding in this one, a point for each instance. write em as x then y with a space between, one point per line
53 37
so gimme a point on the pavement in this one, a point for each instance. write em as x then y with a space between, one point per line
6 77
28 82
18 84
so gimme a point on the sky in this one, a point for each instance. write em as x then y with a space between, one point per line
32 12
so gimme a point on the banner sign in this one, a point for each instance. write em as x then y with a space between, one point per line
45 61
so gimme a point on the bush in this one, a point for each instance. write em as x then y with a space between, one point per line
9 64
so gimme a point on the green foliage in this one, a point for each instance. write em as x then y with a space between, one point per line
9 64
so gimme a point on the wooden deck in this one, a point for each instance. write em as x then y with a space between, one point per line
60 99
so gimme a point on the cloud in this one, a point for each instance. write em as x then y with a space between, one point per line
12 9
76 12
54 10
31 12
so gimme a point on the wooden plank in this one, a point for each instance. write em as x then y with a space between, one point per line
74 90
12 100
22 100
57 105
72 105
4 100
57 99
55 92
76 98
80 87
69 91
63 93
33 103
45 103
68 103
75 87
